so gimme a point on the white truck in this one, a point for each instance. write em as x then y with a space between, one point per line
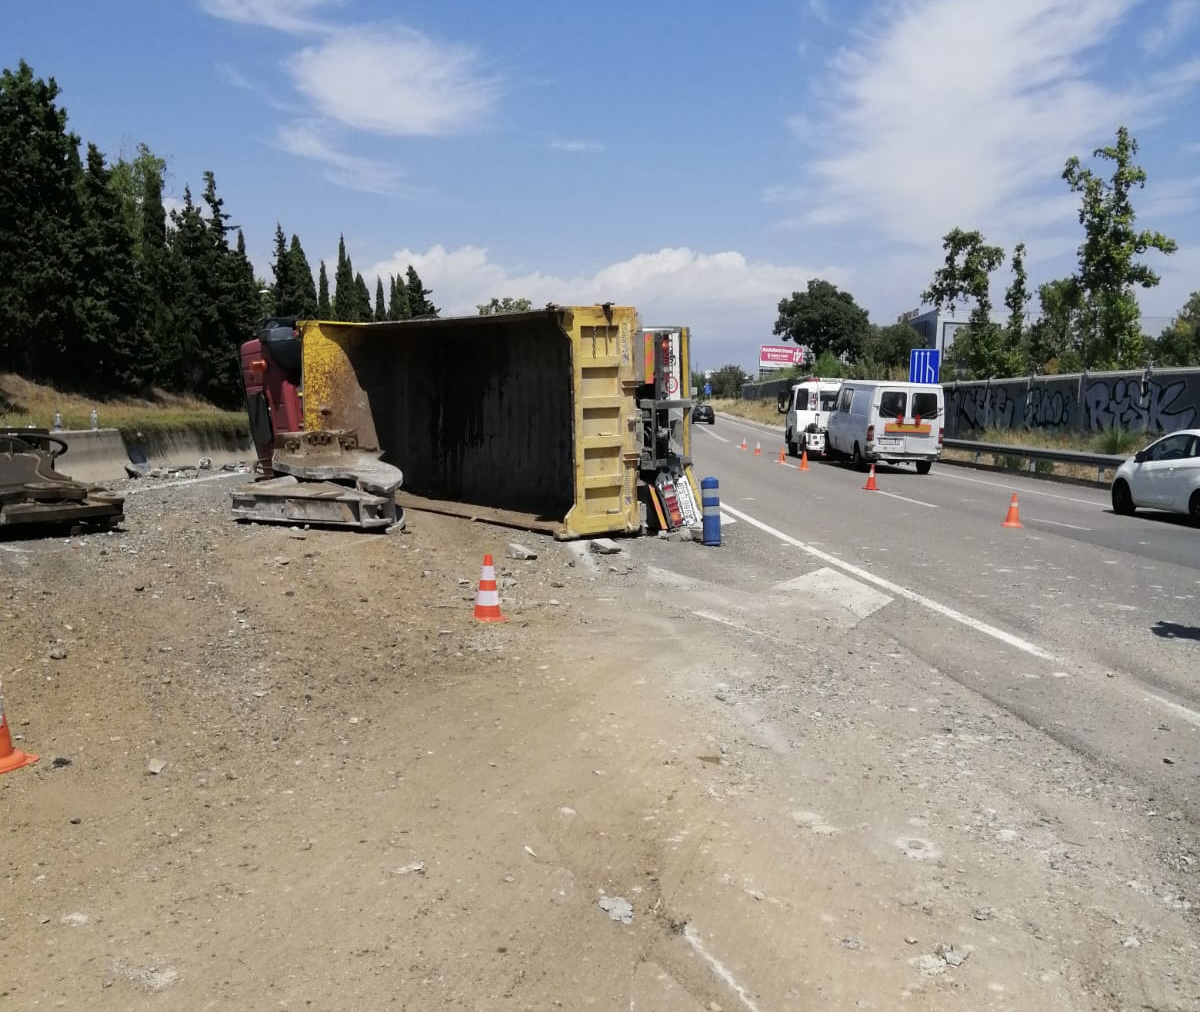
807 406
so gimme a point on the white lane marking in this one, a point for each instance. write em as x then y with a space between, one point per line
717 967
904 498
726 518
1058 523
1023 491
898 590
1191 716
189 481
714 435
712 616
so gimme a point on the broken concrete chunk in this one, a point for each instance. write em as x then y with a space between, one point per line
605 546
520 552
155 766
618 908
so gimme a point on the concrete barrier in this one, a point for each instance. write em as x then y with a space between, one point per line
99 455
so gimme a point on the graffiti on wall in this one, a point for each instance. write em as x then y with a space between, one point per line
1141 402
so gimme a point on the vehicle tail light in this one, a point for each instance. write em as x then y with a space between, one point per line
941 435
870 433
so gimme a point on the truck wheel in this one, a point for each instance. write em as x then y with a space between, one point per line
793 449
924 466
856 458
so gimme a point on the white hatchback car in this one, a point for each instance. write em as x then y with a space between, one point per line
1163 476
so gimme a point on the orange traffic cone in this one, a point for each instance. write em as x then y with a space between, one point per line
758 449
870 486
743 443
782 456
804 459
487 599
1014 514
10 758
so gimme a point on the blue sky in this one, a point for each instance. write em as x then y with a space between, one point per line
697 160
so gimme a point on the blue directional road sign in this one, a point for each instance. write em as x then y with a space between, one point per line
924 365
707 389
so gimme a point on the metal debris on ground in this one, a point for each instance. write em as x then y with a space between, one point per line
34 493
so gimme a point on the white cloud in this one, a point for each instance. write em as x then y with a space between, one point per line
576 147
729 302
394 81
1179 17
343 169
281 15
933 129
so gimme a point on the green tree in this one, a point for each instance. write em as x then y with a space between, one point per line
981 348
398 300
41 216
362 301
418 295
1017 298
111 353
727 381
345 295
828 366
1108 271
886 349
131 180
1051 344
1179 343
281 268
504 305
300 279
823 319
324 306
380 304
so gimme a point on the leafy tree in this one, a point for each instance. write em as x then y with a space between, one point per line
380 304
1050 344
345 295
727 381
824 319
418 295
887 348
981 348
158 283
1179 344
1017 297
505 305
131 180
41 215
398 300
1108 271
324 306
829 366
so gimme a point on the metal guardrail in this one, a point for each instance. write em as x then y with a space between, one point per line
1101 461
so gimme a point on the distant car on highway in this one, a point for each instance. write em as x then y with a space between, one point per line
1163 476
704 413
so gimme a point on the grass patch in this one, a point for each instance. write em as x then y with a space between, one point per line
754 411
24 403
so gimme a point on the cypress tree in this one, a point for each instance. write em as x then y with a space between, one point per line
398 300
324 307
380 305
41 216
281 268
418 301
300 279
345 296
362 301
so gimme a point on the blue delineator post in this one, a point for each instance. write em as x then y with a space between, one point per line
711 501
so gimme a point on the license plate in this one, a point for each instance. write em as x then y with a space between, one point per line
888 441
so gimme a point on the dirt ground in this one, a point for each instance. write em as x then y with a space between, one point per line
285 769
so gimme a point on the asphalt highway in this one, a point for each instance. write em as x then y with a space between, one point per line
1083 623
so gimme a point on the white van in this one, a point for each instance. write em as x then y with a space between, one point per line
807 406
878 420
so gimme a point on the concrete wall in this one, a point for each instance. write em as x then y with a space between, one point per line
1151 401
101 454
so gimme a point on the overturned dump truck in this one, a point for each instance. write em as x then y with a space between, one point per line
36 497
538 420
